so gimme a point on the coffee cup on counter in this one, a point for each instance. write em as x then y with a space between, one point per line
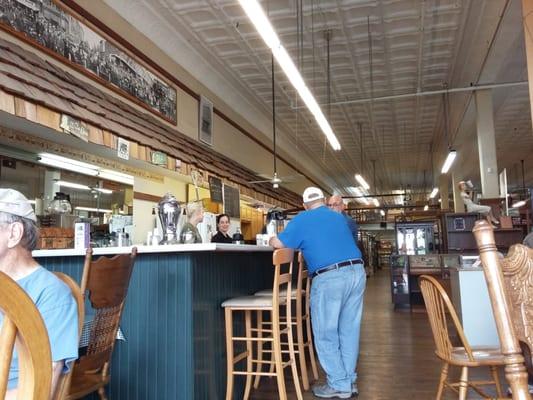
262 239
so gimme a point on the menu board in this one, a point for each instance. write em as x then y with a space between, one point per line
215 189
232 205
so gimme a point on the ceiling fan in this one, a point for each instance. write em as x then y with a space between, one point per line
275 180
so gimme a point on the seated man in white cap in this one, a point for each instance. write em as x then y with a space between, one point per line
335 265
53 298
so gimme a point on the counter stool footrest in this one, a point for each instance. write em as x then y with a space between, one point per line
240 357
261 330
252 339
254 373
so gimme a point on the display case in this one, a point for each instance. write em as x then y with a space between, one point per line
449 261
399 281
405 271
414 238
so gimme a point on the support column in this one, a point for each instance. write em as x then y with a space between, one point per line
486 143
458 204
527 12
444 193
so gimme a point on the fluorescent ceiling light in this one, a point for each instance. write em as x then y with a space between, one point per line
519 204
376 202
382 212
68 164
448 162
362 181
73 185
99 210
256 14
434 192
357 192
116 176
104 191
426 207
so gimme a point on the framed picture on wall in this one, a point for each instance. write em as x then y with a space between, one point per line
62 34
205 121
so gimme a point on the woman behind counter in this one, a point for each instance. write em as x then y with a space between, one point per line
222 230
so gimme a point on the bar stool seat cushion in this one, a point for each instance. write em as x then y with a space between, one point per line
250 302
282 293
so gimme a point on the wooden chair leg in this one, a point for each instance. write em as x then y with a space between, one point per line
293 364
101 393
229 352
496 378
272 358
301 348
310 347
443 377
259 348
249 353
277 355
463 383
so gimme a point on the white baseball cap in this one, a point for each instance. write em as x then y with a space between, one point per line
311 194
14 202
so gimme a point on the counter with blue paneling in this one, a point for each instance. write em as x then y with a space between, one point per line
172 321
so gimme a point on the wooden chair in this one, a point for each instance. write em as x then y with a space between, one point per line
105 282
283 261
63 384
22 323
510 287
304 337
442 315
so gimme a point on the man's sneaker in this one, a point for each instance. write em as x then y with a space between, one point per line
355 390
327 392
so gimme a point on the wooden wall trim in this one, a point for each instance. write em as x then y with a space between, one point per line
146 197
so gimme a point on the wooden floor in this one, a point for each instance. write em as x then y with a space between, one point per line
397 358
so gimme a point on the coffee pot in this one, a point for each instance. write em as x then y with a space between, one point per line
168 210
60 204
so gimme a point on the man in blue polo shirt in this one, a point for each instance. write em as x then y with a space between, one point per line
334 262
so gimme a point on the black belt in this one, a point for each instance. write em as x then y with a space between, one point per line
331 267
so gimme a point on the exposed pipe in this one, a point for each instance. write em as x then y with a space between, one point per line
471 88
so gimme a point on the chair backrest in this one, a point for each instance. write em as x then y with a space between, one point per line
64 380
105 282
440 312
511 302
303 282
282 259
23 324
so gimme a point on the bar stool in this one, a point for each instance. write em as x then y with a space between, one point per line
300 296
282 260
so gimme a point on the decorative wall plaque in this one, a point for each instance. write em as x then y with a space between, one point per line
123 149
75 127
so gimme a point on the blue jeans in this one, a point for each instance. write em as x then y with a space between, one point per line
336 310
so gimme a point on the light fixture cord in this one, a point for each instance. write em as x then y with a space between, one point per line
273 115
446 116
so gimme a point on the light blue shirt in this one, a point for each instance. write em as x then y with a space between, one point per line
59 311
323 236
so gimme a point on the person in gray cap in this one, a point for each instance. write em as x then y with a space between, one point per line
334 263
53 298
